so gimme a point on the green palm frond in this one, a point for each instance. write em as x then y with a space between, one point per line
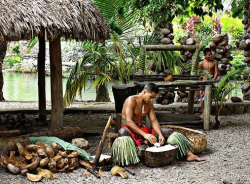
63 144
32 43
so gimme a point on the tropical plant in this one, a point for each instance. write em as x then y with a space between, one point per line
164 11
95 63
224 87
240 8
11 60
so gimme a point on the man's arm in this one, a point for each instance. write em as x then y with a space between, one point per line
215 70
155 124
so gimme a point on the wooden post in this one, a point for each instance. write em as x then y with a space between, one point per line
56 84
41 79
190 109
207 106
118 122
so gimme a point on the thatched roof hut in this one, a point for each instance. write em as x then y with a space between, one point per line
50 20
25 19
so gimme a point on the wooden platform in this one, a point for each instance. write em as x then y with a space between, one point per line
185 120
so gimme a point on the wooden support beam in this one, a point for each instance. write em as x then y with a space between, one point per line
207 106
41 79
56 84
169 47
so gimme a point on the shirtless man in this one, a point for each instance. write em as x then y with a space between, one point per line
211 67
135 108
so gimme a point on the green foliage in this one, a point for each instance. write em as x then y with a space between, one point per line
240 8
32 43
15 49
95 62
11 60
238 61
63 144
164 11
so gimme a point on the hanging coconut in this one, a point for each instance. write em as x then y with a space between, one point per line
124 152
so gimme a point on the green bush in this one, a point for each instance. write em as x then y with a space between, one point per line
15 49
11 60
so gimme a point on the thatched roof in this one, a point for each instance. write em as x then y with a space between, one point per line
25 19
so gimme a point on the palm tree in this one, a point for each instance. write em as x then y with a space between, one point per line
3 49
95 63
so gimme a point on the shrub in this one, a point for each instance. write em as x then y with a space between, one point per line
12 60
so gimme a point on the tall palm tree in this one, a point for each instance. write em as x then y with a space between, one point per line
3 49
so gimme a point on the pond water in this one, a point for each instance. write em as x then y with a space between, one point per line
23 87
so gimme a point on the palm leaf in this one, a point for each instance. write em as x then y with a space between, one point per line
63 144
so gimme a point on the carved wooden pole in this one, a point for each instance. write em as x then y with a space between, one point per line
41 79
207 106
3 48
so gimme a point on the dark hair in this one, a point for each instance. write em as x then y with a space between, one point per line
207 49
151 87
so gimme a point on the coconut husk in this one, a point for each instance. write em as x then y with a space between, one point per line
224 60
182 94
220 50
190 41
245 87
246 53
182 40
217 38
248 42
222 67
243 45
166 40
165 31
228 47
228 56
212 45
218 56
244 21
247 60
223 43
170 36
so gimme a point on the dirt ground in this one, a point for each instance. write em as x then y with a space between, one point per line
227 156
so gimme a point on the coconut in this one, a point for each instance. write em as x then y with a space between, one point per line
45 173
166 40
116 170
13 169
33 177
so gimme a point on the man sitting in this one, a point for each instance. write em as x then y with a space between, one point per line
135 108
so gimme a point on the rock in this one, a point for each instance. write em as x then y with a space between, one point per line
80 143
246 97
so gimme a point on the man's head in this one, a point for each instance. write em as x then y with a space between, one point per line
207 54
149 92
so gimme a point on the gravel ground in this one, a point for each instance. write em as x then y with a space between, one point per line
227 157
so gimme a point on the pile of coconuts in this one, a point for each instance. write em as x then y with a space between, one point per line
39 160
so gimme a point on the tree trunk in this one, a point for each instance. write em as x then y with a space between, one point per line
3 48
102 94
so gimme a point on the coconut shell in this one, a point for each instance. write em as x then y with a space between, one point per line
218 56
228 47
20 148
217 38
165 31
182 40
34 177
212 45
224 60
247 60
44 162
243 46
223 43
246 53
220 50
166 40
170 36
49 151
13 169
244 20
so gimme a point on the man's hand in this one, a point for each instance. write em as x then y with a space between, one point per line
151 138
161 140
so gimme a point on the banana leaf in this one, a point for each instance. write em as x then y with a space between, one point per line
63 144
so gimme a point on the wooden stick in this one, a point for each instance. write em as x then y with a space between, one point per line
129 170
99 149
93 172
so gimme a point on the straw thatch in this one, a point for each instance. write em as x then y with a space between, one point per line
25 19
